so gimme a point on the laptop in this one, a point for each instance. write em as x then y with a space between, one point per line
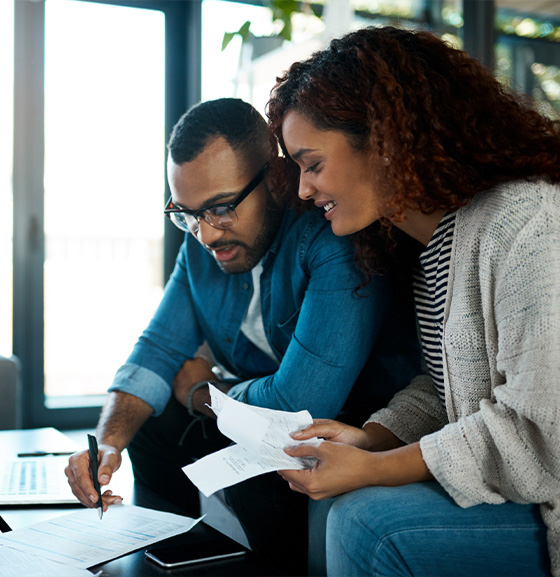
35 480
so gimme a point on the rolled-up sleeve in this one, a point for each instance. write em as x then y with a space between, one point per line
144 384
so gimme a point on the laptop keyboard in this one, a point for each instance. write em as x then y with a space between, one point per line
26 477
34 480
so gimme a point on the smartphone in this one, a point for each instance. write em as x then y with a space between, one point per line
195 553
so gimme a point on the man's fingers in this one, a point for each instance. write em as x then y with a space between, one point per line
79 478
110 460
109 499
79 473
108 464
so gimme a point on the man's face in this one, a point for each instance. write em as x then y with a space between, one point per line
217 176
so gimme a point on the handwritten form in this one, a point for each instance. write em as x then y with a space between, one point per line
261 436
81 540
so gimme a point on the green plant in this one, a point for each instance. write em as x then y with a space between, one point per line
282 10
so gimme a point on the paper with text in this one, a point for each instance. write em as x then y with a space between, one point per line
14 563
261 436
81 540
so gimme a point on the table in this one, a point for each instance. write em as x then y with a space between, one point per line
134 564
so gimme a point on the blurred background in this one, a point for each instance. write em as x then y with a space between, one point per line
89 92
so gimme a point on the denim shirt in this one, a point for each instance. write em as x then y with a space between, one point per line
319 328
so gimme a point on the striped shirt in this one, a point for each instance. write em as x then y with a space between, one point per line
430 289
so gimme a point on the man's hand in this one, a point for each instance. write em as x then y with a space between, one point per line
78 472
122 416
192 372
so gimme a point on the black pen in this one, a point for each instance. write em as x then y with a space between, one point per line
45 453
93 457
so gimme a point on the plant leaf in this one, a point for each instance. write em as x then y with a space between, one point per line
228 37
244 30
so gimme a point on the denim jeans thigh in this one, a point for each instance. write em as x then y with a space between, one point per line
419 530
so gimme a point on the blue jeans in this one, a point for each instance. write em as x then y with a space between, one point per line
419 530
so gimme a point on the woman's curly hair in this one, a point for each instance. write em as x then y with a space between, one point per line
449 127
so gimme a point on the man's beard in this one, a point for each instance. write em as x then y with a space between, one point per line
253 254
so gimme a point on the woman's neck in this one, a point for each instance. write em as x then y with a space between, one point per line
420 226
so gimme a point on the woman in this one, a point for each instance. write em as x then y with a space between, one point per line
460 475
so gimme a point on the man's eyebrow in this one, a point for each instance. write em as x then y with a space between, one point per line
299 153
221 196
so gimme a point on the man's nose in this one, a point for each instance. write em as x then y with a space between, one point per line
306 190
207 234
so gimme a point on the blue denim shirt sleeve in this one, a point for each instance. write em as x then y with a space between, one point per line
333 335
142 383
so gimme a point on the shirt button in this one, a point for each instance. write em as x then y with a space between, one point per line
245 286
228 340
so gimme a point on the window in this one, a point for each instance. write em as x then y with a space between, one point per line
249 71
104 129
98 86
6 121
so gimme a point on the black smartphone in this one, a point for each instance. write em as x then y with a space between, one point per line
194 553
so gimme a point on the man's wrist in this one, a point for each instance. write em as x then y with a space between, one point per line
191 408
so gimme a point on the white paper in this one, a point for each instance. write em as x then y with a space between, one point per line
225 468
251 435
261 436
82 540
14 563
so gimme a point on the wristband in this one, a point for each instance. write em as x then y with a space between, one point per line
193 390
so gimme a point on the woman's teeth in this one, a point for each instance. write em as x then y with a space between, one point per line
329 206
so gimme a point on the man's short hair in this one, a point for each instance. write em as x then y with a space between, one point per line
243 128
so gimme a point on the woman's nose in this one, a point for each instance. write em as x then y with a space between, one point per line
306 190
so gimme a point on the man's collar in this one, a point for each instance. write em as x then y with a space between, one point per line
287 219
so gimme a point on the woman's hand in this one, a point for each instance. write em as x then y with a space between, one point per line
340 468
334 431
372 437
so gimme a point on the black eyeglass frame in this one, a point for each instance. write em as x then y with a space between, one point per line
171 208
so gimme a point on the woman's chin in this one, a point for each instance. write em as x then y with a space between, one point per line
341 228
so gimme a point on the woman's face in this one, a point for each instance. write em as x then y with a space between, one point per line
347 183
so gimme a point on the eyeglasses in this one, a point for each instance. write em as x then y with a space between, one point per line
218 215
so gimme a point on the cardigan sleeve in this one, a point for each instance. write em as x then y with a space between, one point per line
413 412
510 448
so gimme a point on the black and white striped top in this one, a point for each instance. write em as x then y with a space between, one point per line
430 289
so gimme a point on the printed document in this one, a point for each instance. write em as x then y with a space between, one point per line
261 436
81 540
15 563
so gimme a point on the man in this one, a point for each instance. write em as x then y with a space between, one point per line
273 295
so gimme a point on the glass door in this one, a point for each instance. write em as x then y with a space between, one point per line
103 182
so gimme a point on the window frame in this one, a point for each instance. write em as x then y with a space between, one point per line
182 89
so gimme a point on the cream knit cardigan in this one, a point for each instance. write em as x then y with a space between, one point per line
498 437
